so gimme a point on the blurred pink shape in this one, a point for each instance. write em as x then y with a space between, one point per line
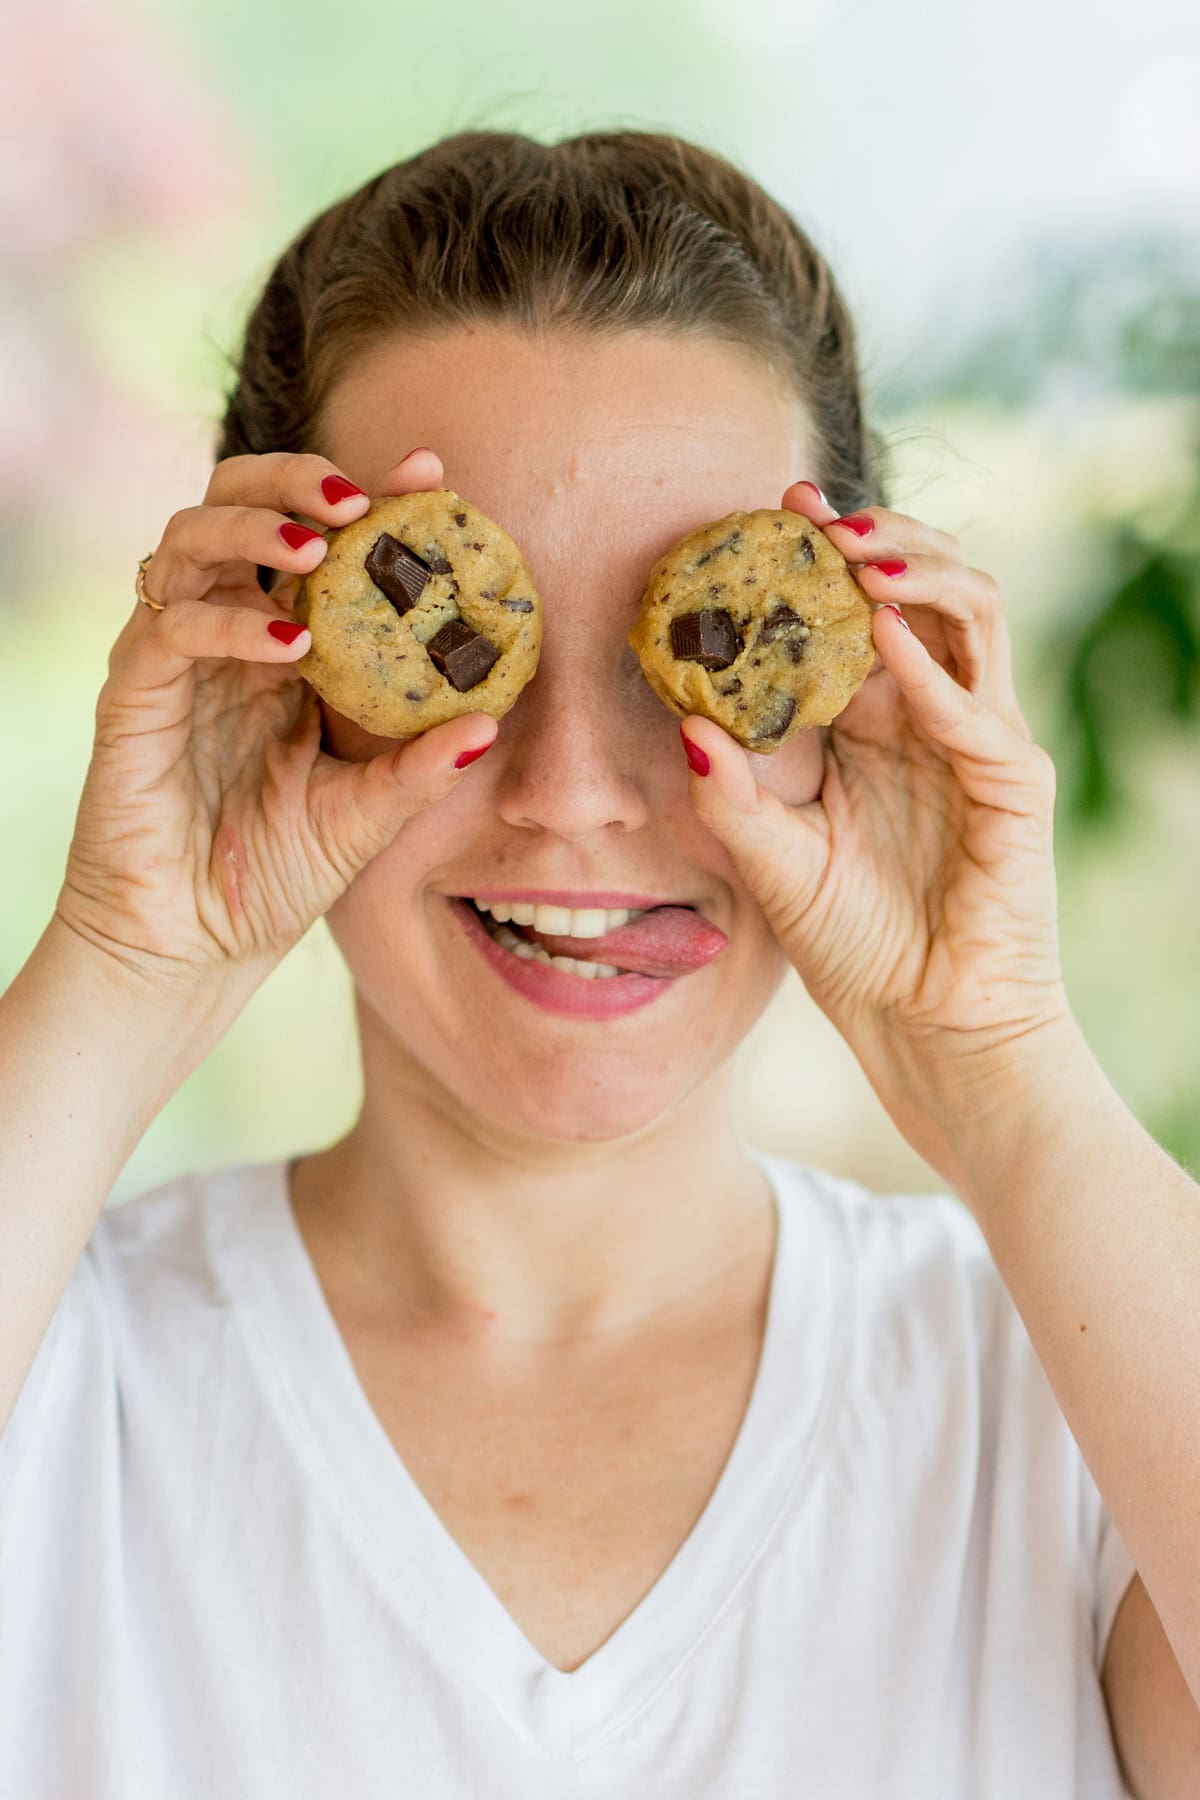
105 131
102 126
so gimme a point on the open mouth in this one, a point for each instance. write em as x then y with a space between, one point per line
659 941
524 941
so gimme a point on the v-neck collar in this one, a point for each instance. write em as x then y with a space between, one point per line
307 1371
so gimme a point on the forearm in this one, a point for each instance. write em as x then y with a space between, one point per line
87 1060
1096 1233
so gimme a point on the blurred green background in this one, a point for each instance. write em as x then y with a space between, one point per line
1019 250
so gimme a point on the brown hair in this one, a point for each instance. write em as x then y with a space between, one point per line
599 233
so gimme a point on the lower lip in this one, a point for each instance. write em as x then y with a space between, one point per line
557 990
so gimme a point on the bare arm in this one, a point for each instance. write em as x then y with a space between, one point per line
211 832
89 1056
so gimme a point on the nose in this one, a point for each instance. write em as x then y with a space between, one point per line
570 758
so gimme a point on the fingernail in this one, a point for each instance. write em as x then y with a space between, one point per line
286 630
858 523
336 489
893 568
419 448
470 756
898 614
297 536
816 490
697 761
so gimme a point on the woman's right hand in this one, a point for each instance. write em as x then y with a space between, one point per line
212 828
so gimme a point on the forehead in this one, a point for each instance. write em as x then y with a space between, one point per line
628 439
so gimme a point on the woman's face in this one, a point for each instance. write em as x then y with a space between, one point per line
595 455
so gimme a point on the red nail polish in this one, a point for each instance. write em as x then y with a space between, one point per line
296 536
893 568
285 630
697 761
899 615
336 488
816 490
470 756
858 523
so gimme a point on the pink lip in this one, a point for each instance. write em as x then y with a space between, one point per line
560 897
557 990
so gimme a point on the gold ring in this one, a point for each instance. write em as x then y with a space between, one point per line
139 586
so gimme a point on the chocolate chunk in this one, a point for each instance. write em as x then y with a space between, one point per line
460 518
709 637
439 565
805 552
396 572
412 694
518 605
732 542
779 623
463 656
777 716
727 688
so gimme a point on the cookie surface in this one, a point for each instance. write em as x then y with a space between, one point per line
420 611
755 621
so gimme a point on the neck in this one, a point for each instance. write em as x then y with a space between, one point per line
431 1213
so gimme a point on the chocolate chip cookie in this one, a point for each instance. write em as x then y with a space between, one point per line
421 610
755 621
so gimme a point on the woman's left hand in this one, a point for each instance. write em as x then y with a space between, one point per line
915 895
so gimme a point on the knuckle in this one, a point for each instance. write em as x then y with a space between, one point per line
990 592
1043 769
227 472
299 475
224 624
245 526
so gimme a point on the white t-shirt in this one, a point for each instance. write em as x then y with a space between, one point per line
217 1578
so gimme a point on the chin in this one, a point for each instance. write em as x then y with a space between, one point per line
565 1103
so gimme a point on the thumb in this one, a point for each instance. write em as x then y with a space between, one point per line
361 806
781 852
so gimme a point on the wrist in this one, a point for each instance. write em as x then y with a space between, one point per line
160 1021
976 1112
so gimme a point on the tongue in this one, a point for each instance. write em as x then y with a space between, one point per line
669 940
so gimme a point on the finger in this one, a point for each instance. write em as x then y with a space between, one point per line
288 481
363 805
806 498
200 540
415 473
873 532
970 609
151 654
780 851
996 764
245 517
966 596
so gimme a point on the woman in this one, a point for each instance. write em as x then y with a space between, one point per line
540 1438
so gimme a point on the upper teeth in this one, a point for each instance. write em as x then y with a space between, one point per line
561 921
